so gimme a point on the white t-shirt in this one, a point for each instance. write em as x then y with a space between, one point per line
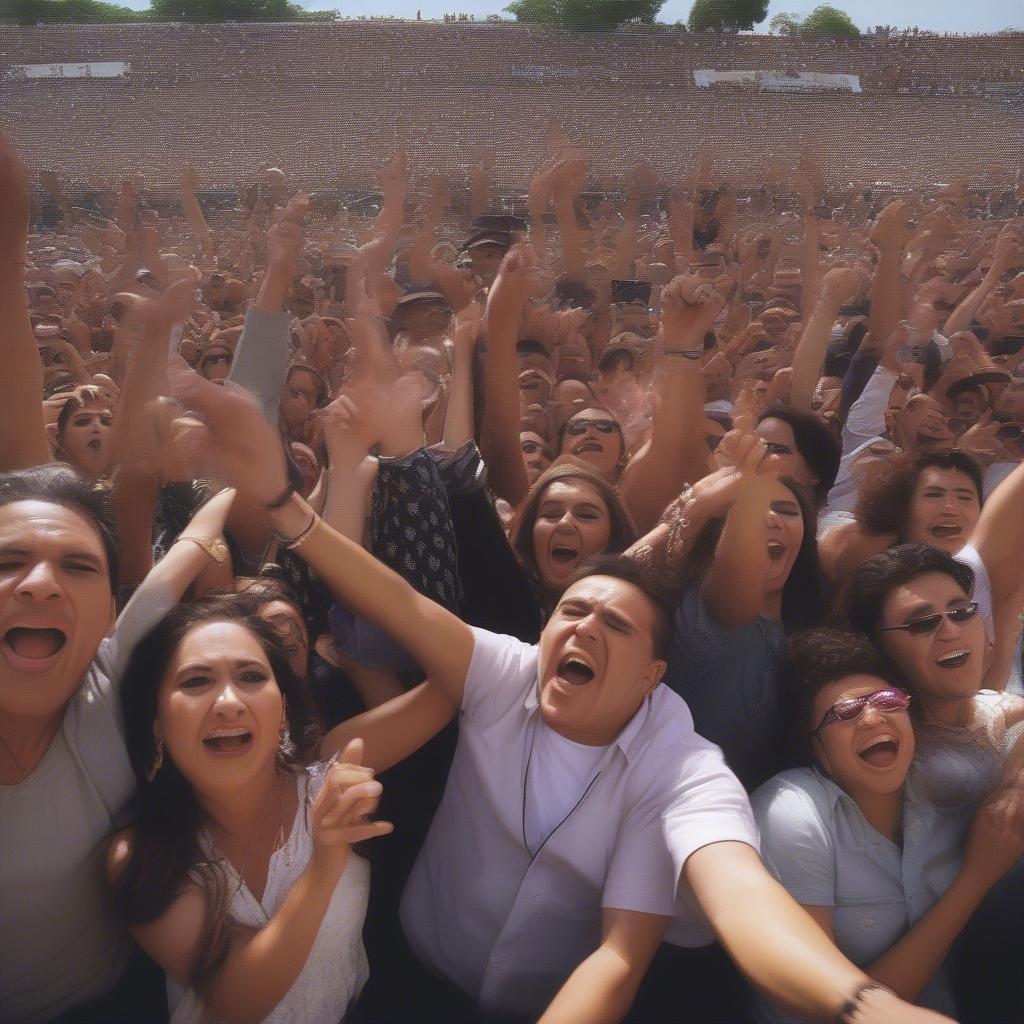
557 775
508 926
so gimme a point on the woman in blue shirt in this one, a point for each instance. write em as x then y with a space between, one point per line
888 877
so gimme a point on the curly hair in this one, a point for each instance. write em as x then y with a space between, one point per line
886 495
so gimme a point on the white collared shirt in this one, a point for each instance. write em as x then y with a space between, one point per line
509 927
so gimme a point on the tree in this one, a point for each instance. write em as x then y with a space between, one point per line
224 10
726 15
822 21
592 15
829 21
80 12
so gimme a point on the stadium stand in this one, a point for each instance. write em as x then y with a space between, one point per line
327 101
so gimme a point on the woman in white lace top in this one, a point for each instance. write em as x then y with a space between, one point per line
238 876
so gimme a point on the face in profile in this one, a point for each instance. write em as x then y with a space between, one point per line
219 708
56 605
535 454
573 523
781 441
596 659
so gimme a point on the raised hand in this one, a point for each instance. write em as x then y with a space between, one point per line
689 306
13 210
341 812
841 284
890 229
520 278
284 243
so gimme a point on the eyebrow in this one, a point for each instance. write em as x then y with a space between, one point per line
785 506
203 666
77 556
924 608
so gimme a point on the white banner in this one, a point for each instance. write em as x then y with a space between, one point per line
98 69
778 81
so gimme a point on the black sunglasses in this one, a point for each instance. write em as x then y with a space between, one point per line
930 623
578 427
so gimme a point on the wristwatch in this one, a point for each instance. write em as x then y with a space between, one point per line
686 353
216 549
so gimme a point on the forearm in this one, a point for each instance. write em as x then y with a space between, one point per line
439 642
625 245
962 317
570 234
499 431
999 535
780 949
809 270
810 353
21 413
910 964
196 220
135 497
261 358
458 421
734 586
886 295
349 483
258 975
677 454
599 991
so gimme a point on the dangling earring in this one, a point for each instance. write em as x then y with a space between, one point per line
158 763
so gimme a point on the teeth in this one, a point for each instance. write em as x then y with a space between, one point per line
884 738
952 656
220 734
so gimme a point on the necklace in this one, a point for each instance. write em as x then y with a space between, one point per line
255 835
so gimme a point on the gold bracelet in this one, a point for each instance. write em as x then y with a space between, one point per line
215 549
291 543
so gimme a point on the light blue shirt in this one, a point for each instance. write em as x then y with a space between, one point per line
817 843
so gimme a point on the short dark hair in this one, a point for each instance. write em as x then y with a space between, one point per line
622 567
886 494
59 484
814 441
818 657
879 576
616 356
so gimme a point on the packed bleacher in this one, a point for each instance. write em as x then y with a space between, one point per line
497 527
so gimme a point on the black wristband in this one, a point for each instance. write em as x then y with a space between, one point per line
282 500
686 353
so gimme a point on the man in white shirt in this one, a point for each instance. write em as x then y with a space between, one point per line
492 898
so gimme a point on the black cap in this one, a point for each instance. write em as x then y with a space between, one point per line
500 222
488 236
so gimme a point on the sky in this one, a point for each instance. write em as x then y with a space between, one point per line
936 15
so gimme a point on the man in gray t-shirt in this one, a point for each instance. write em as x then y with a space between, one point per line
64 771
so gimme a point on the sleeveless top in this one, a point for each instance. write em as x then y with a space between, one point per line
336 969
956 767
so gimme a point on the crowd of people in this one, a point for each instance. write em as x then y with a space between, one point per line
613 614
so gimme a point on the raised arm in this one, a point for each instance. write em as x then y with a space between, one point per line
193 213
735 584
889 234
999 536
676 453
1008 253
838 286
518 278
21 383
566 181
251 453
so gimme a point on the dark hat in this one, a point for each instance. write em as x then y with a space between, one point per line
500 222
976 379
488 236
413 298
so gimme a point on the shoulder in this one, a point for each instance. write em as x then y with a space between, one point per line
795 797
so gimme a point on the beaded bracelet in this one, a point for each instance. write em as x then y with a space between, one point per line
852 1005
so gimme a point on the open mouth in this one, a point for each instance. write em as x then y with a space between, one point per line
588 446
776 551
563 555
575 671
946 530
881 752
954 659
32 644
94 445
226 740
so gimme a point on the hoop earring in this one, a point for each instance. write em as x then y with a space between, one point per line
158 762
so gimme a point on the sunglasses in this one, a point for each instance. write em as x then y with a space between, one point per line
578 427
930 623
774 448
852 708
